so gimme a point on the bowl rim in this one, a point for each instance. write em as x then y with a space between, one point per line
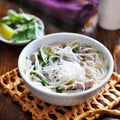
67 95
23 42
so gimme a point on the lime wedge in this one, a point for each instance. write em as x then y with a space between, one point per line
6 31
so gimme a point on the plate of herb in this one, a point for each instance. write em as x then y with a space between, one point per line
20 28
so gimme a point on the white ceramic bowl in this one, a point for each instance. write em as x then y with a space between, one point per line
64 99
24 42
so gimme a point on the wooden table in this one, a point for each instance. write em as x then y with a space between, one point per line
10 110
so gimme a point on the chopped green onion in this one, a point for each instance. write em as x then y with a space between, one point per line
42 80
59 90
70 82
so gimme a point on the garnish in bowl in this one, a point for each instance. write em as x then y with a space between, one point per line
18 27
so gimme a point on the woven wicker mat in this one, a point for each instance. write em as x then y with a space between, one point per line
12 84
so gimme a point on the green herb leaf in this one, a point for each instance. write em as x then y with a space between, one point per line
26 26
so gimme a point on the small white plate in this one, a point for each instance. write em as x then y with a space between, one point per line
23 42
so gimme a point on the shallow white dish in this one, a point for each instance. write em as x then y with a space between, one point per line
14 43
23 42
64 99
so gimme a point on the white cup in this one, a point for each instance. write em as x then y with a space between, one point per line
109 14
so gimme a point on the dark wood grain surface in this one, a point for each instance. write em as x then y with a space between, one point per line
9 110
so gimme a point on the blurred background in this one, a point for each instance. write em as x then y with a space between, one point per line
66 15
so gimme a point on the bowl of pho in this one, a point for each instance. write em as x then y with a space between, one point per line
65 68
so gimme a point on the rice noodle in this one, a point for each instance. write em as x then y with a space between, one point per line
63 66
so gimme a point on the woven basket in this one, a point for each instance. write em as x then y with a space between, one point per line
11 83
